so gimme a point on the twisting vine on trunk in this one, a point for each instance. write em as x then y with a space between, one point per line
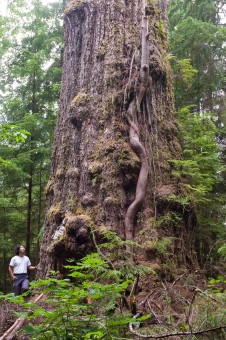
136 144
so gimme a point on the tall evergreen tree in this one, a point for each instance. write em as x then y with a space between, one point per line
197 35
115 126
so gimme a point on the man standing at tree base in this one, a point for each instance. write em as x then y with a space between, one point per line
18 267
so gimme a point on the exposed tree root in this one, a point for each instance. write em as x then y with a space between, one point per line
9 334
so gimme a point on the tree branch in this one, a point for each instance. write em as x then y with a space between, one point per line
208 330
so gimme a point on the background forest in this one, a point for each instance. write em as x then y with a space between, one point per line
31 52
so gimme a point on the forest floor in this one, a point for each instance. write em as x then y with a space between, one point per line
9 316
170 303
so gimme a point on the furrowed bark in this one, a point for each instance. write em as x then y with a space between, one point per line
114 135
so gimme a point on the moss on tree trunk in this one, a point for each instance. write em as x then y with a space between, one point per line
115 133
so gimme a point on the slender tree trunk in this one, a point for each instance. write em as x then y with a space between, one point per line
5 266
40 208
30 173
115 132
29 207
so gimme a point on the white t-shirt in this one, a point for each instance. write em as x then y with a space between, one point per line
20 264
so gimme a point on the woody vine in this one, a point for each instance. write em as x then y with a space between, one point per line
135 142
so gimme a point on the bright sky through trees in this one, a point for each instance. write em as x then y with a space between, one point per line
3 5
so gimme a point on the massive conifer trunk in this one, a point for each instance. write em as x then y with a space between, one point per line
115 132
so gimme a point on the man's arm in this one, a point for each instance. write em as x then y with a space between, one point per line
29 266
11 273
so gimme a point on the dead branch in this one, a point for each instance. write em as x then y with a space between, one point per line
145 336
131 324
179 277
146 298
159 308
132 296
190 309
9 334
206 295
152 311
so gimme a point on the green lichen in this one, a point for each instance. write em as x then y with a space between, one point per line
160 26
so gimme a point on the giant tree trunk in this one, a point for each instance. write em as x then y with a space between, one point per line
115 134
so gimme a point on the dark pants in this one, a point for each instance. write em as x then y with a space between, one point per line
20 284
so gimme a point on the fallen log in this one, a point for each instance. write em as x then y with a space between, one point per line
9 334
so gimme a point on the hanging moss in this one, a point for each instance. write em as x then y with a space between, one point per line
160 29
